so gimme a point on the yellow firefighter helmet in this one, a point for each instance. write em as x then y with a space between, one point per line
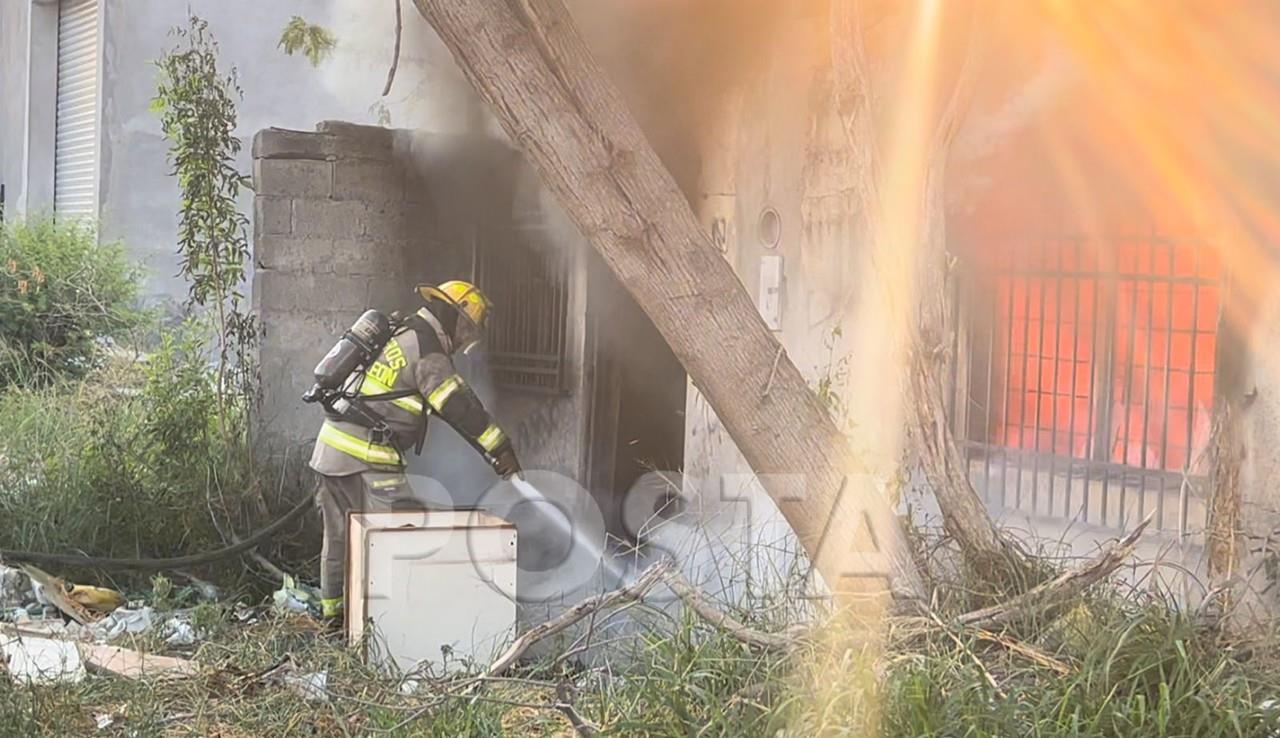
464 296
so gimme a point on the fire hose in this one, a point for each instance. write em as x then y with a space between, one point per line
179 562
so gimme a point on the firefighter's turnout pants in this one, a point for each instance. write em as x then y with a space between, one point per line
337 497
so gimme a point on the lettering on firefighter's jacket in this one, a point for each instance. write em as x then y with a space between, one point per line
387 368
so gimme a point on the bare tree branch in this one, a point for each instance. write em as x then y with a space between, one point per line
964 647
1066 586
395 54
752 637
633 591
566 708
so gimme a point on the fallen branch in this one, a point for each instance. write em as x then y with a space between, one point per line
1065 586
919 627
964 647
280 575
1026 651
579 723
708 612
633 591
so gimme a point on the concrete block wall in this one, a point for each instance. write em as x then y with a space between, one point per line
338 229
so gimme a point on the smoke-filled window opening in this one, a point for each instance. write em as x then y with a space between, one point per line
527 276
1086 376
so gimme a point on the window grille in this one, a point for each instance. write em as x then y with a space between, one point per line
526 274
1086 384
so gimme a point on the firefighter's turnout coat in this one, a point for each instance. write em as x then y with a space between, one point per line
416 360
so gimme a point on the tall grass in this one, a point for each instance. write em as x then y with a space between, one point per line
1118 666
127 462
1131 667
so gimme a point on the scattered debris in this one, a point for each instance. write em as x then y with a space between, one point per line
129 664
14 586
49 651
39 629
245 615
409 686
312 686
205 590
51 590
296 597
123 621
179 632
96 599
41 660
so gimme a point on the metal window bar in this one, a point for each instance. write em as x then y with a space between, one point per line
527 277
1131 395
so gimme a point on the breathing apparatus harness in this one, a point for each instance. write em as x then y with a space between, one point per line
351 356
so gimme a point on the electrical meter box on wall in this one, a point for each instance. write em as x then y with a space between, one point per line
430 589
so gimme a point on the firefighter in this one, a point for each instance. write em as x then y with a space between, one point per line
415 377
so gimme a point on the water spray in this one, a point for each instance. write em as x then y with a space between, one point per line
551 512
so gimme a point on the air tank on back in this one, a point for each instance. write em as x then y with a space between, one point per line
359 346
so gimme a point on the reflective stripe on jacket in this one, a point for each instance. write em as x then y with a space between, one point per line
371 387
358 446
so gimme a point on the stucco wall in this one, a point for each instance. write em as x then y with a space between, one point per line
753 160
28 64
139 200
14 18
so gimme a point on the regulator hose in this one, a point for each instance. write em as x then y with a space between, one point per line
180 562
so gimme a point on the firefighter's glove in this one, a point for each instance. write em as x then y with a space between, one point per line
505 462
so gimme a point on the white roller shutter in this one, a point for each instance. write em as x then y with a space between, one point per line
75 169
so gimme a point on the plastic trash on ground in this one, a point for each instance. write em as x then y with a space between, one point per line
123 621
296 597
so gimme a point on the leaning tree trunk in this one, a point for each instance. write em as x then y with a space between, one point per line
529 63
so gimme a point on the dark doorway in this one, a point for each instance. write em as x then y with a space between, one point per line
638 398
